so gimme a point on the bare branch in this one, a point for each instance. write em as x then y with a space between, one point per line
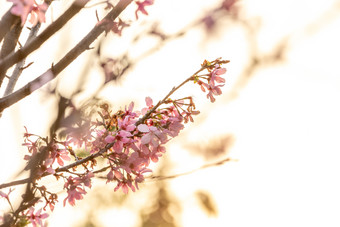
19 66
11 40
14 183
6 23
19 55
65 61
221 162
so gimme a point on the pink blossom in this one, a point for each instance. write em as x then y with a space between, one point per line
214 90
149 104
133 163
46 168
36 218
157 153
6 196
23 8
127 124
119 140
74 191
125 185
141 7
203 85
61 155
215 75
140 177
115 27
175 126
153 135
130 113
87 181
110 139
110 176
38 14
31 146
187 115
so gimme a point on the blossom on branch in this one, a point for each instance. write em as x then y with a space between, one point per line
128 140
74 190
36 218
23 8
213 79
141 7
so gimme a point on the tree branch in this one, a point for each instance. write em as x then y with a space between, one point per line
63 169
6 23
218 163
11 40
51 73
34 44
19 66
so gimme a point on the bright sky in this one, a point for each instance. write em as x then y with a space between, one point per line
285 121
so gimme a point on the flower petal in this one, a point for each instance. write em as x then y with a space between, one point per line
143 128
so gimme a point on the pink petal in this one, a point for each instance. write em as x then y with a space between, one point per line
125 188
148 101
130 108
109 139
143 128
125 133
146 139
153 129
221 71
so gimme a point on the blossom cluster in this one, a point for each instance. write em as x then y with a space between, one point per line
213 79
128 140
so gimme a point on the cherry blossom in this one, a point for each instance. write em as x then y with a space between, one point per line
23 8
60 155
6 195
153 135
149 104
74 191
215 75
125 185
128 139
119 139
36 218
141 7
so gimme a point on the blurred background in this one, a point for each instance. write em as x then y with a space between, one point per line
277 119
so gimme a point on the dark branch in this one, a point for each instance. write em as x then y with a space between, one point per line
6 23
11 40
65 61
34 44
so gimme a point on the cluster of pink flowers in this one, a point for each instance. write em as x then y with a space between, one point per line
134 145
35 218
214 81
75 187
56 152
128 140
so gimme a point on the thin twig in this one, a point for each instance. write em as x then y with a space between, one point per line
19 66
140 121
221 162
